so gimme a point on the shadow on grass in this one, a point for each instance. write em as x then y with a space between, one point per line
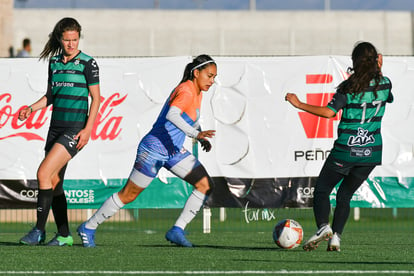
4 243
221 247
10 244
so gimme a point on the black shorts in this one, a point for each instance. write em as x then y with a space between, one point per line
360 171
64 136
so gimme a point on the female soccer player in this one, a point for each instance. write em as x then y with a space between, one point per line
163 147
72 76
358 148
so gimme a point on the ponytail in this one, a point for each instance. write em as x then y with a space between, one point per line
365 69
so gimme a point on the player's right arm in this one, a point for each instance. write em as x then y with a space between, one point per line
41 103
322 111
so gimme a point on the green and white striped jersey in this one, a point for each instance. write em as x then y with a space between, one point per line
69 82
359 131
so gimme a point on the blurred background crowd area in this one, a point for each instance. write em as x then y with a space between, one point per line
150 28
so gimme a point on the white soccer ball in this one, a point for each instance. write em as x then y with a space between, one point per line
288 234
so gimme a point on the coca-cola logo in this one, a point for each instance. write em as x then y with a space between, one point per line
106 127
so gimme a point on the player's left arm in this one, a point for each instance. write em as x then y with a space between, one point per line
91 73
174 116
322 111
180 101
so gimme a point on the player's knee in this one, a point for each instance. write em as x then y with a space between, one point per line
130 192
43 176
210 186
55 180
205 185
127 197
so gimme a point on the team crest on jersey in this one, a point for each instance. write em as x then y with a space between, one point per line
361 139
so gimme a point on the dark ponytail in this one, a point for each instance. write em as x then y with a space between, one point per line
198 63
365 68
53 46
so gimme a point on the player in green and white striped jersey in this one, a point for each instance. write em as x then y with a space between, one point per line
358 148
73 77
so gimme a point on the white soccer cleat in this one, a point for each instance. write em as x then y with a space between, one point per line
334 243
323 233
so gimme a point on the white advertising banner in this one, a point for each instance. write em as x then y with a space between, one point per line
258 134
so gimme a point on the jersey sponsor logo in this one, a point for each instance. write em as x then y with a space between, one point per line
361 139
361 152
63 84
95 73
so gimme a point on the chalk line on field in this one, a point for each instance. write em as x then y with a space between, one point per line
195 272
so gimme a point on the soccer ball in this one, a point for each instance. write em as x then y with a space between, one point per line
288 234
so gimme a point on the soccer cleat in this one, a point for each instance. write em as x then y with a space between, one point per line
334 243
176 235
87 235
324 233
59 240
34 237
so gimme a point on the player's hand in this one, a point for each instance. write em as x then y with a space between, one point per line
293 99
202 135
82 137
202 138
205 145
25 113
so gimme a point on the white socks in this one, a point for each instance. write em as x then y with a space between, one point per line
191 208
110 207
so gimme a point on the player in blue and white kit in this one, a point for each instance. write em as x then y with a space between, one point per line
358 148
163 147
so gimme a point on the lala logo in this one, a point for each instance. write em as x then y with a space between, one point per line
361 139
106 127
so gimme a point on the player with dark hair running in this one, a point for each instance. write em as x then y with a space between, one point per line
73 76
163 147
358 148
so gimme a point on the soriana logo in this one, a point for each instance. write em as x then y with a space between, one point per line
315 126
106 127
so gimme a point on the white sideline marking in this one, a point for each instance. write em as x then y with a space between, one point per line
259 272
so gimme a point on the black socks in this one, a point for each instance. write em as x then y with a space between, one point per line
44 201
